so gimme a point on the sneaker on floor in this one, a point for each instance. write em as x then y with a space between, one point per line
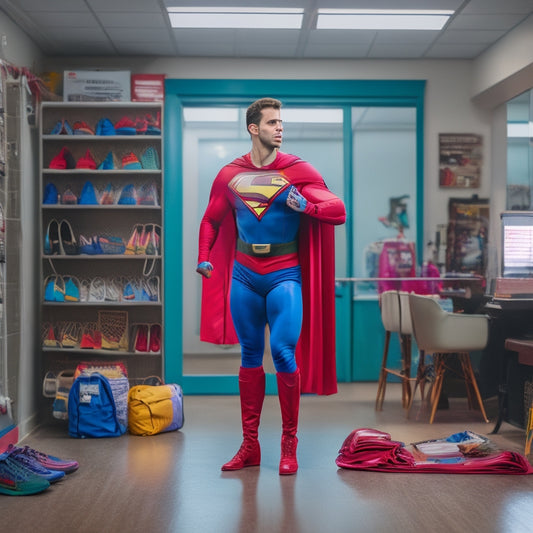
33 465
16 480
50 461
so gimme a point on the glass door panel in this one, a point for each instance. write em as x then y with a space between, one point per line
384 184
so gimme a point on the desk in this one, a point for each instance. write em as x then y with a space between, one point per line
512 350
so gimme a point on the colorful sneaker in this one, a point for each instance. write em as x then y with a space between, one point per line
125 126
131 162
154 124
62 128
128 195
150 159
33 465
108 163
105 127
68 197
51 194
141 125
63 160
50 461
17 480
82 128
86 161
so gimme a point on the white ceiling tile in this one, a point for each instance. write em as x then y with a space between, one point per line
137 48
75 35
454 50
344 37
132 20
470 36
212 49
325 51
396 51
405 37
486 22
85 49
136 34
54 5
51 19
498 6
126 6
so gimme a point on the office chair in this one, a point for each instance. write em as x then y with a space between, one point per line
445 334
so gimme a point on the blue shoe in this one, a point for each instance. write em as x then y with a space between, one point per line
128 195
90 246
88 194
108 163
62 128
34 466
50 461
105 127
17 480
51 194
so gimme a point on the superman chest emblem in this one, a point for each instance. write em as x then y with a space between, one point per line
258 190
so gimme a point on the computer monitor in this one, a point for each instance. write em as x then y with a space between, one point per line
517 244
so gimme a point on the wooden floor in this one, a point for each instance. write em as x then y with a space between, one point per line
172 482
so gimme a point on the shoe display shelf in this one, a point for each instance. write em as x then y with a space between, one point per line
106 205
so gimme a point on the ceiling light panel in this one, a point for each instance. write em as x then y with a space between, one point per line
236 17
382 19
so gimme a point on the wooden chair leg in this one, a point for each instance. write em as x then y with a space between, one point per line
405 347
420 381
470 380
437 387
382 383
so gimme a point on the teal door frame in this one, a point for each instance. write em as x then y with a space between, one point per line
323 93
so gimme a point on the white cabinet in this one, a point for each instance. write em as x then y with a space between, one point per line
101 290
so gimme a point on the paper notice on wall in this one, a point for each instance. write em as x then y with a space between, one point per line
96 86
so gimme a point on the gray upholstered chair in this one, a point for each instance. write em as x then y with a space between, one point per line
446 335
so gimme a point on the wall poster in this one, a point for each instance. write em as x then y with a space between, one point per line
460 160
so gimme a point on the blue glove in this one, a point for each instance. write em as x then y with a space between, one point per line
295 200
205 268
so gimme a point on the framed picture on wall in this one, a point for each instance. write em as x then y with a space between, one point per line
460 160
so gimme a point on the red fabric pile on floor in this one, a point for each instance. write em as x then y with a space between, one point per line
464 453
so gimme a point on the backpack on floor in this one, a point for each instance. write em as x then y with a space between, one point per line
155 409
91 408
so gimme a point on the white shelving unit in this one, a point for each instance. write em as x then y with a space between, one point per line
120 271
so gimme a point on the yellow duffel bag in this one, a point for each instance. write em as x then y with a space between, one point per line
155 409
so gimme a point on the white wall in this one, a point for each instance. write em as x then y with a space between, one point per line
19 49
506 69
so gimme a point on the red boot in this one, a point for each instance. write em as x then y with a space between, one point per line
289 401
252 392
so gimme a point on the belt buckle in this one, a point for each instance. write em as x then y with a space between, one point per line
261 249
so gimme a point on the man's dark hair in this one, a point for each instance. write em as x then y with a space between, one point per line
253 113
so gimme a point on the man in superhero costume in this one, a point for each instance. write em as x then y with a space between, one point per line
266 251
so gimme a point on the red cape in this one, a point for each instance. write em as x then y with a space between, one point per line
315 352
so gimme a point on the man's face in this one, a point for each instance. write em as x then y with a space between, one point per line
270 129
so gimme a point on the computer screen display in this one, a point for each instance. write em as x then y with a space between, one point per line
517 245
